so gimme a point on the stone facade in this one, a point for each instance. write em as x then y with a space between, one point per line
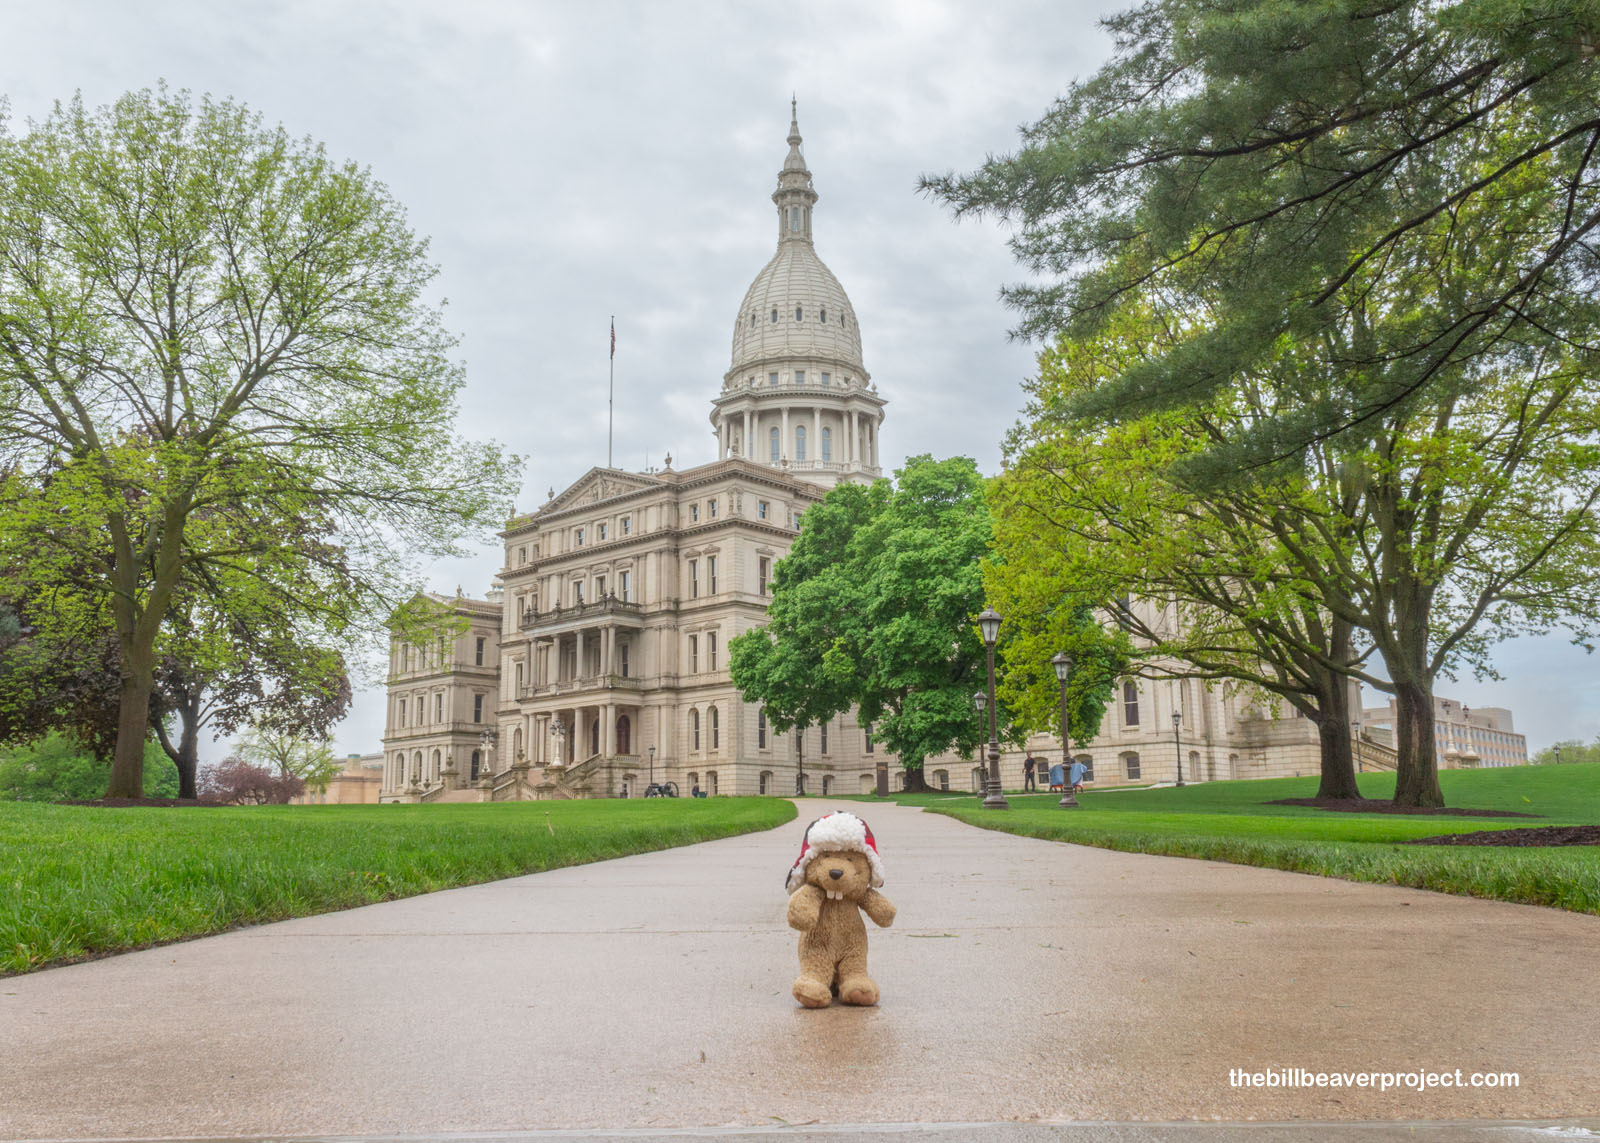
1464 737
359 783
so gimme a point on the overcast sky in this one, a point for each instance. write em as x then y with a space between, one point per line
575 160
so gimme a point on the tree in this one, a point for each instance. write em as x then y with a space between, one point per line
1284 151
292 756
235 782
1567 751
215 341
874 608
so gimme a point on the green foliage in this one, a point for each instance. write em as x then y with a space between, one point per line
1281 151
56 769
219 374
83 881
1567 751
292 756
874 607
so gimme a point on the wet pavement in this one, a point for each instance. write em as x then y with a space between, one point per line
1031 991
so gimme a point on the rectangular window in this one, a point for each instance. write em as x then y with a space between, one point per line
772 378
522 556
825 378
604 530
764 574
519 680
824 735
1132 762
402 713
761 509
579 538
622 650
799 376
694 579
761 728
711 574
711 650
477 708
625 582
867 729
1130 705
479 658
438 708
599 587
577 592
694 513
713 509
694 654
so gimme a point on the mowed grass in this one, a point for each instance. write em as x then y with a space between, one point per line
80 881
1229 821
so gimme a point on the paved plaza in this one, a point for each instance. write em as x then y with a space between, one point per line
1025 984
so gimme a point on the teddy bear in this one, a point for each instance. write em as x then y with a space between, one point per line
834 880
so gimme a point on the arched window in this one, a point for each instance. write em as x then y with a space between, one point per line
516 739
774 314
797 313
800 442
766 781
941 778
772 440
1130 704
477 760
624 735
827 444
594 737
1130 763
1088 766
716 729
822 314
711 783
433 774
416 766
794 219
761 729
694 729
827 784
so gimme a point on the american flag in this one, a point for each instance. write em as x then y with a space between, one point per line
613 338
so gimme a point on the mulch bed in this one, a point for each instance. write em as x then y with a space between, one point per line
1545 835
1379 806
114 803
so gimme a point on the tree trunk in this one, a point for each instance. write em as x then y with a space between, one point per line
133 723
1333 728
1417 773
915 782
185 754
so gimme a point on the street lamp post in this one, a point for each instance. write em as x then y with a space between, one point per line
989 624
1177 746
488 738
559 729
1063 665
652 765
1558 755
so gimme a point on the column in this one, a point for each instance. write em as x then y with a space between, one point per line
749 450
784 447
577 670
854 450
816 432
608 730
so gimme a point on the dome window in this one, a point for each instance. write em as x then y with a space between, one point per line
752 319
772 380
799 376
797 313
773 440
794 219
774 314
827 444
822 315
800 442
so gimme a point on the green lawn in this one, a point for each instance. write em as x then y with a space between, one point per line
78 881
1228 821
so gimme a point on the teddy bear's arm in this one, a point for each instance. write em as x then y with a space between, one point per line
805 906
879 908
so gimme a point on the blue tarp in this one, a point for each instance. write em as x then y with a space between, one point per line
1058 775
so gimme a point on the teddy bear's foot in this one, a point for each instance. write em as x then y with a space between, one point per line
812 993
858 990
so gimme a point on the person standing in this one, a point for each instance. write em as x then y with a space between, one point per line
1028 765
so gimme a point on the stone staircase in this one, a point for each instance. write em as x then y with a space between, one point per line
1371 756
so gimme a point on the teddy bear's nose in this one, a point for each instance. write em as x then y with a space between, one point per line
836 873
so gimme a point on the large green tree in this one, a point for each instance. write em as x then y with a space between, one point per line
208 329
873 608
1285 150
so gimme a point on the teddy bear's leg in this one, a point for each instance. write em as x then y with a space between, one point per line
811 987
855 986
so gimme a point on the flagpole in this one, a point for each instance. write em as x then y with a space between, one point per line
611 399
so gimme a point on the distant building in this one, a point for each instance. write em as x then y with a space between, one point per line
1465 737
356 784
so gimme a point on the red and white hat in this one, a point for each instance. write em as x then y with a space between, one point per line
834 832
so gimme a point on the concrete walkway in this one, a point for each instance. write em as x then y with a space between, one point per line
1024 980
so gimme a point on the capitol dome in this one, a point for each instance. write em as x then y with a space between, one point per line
796 395
795 308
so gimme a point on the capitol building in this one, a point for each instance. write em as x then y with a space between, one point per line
598 663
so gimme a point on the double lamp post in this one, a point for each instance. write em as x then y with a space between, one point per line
989 625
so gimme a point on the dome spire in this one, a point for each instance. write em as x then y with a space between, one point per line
795 195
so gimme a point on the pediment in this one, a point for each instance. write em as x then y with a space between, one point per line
599 484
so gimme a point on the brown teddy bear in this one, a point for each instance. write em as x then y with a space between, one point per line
835 880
